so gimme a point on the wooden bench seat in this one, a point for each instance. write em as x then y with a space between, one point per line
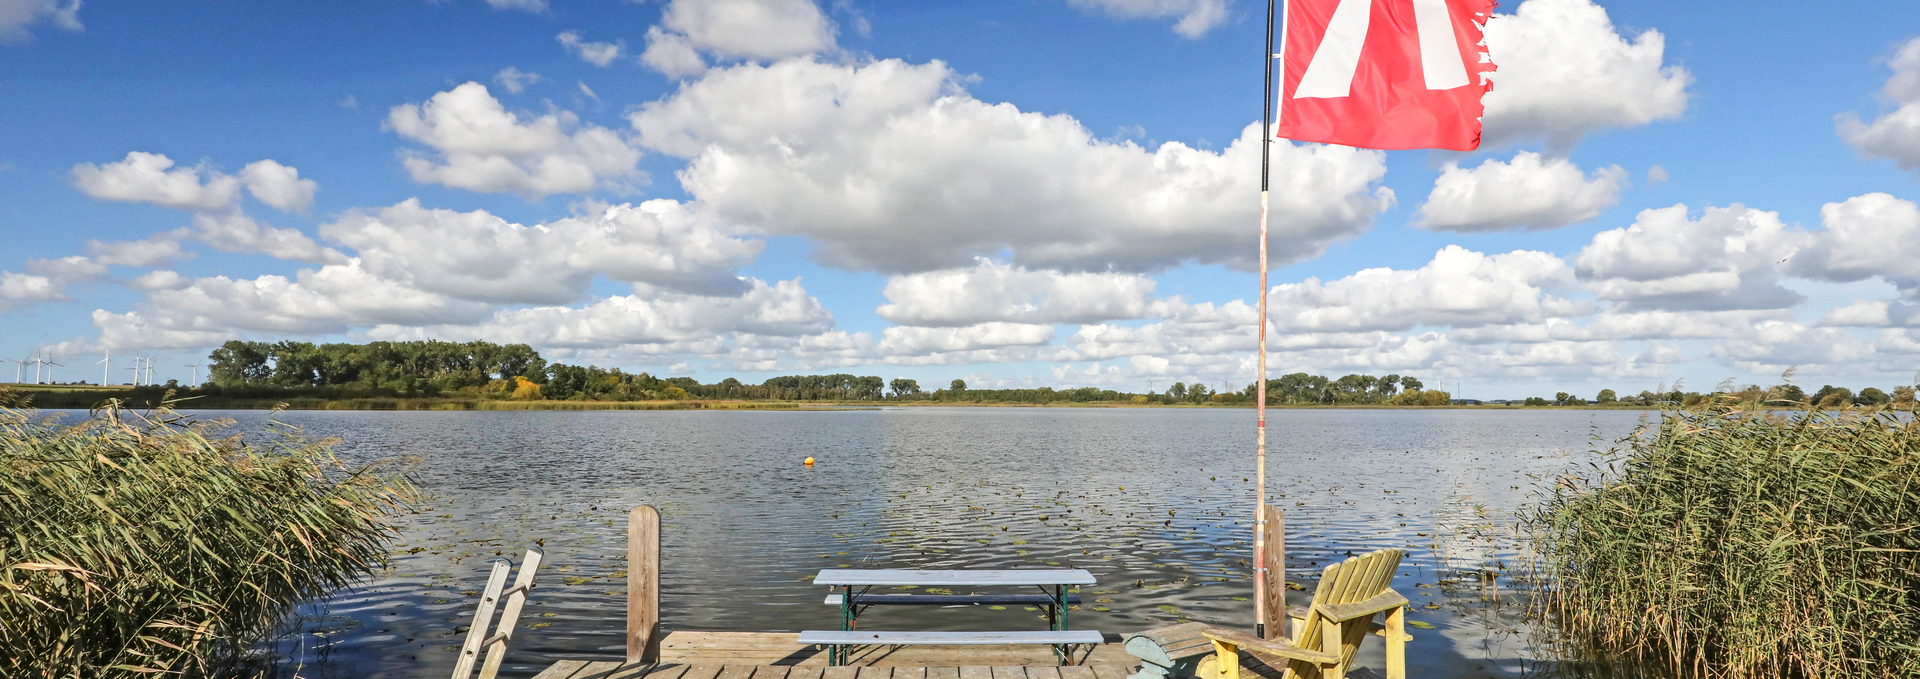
949 599
852 637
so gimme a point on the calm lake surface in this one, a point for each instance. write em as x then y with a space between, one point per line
1155 502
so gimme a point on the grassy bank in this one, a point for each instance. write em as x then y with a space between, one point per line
136 546
1733 543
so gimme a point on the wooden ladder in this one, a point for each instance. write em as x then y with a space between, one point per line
496 644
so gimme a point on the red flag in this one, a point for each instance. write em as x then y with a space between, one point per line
1385 74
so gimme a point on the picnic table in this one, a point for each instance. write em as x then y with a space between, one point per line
854 596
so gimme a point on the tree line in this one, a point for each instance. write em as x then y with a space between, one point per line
1792 395
515 371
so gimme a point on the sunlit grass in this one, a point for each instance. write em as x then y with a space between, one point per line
140 545
1733 543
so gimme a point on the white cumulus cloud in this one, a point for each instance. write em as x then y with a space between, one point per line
750 29
1565 71
1196 16
515 80
1459 288
1530 192
992 291
599 54
890 166
213 197
328 300
18 16
672 54
648 317
155 251
278 185
1896 135
1728 258
479 256
152 178
234 231
1870 235
483 147
522 5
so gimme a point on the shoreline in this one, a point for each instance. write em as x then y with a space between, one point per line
68 397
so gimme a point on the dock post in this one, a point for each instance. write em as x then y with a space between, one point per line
1275 573
643 585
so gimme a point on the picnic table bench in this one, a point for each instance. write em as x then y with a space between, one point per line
853 597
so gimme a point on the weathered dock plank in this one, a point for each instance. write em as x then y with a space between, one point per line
561 670
784 648
780 655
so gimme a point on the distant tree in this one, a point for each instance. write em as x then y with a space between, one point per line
1562 398
1606 396
1411 384
958 385
1872 396
1537 401
1388 386
902 386
1830 396
238 363
1786 392
1903 396
1178 391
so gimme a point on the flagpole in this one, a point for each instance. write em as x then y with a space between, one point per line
1260 398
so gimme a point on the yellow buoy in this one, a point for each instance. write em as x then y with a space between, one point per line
808 461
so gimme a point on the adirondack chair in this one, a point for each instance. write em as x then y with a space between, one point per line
1327 637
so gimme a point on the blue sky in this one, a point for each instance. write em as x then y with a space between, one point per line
1043 192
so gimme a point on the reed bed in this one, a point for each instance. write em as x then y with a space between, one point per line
140 546
1732 543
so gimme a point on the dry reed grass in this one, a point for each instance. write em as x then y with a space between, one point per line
1732 543
139 546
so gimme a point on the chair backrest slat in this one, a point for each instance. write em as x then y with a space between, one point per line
1357 579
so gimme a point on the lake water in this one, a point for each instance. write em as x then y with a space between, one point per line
1155 502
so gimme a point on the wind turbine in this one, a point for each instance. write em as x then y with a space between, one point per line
149 371
49 362
196 373
136 371
108 362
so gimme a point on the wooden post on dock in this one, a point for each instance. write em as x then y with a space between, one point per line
643 585
1275 575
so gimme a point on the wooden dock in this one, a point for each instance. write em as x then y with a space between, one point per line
775 655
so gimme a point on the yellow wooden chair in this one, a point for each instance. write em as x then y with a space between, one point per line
1329 633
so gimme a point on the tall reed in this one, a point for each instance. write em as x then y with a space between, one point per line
136 546
1732 543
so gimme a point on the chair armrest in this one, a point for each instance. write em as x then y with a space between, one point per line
1248 642
1387 600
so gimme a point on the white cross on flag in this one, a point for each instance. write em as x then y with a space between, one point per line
1385 74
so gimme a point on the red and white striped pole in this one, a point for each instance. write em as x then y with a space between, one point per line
1260 397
